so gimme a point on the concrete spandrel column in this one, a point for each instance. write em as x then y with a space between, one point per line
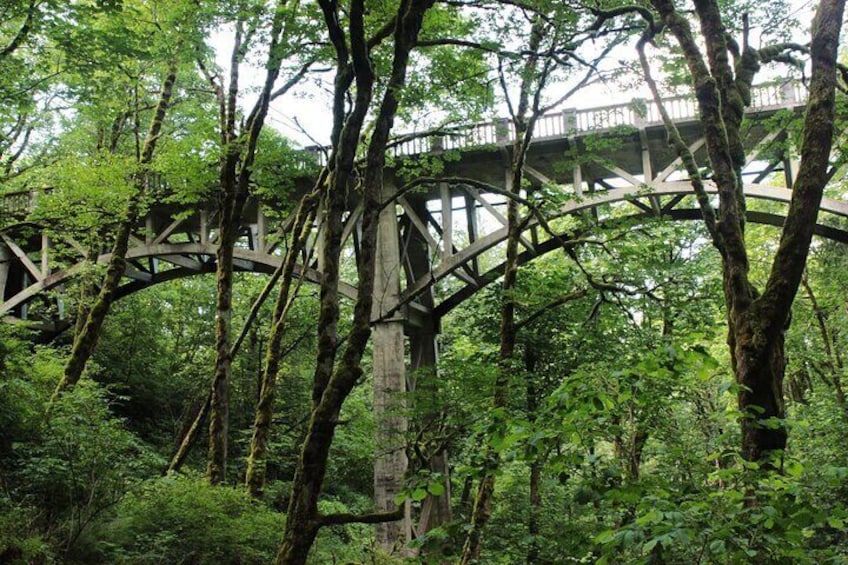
5 264
424 354
390 461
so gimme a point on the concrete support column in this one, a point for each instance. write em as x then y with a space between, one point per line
5 265
261 229
45 254
424 356
389 384
424 351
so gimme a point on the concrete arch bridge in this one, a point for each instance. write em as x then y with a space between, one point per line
449 225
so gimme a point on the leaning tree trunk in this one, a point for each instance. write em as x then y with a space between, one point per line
256 464
86 340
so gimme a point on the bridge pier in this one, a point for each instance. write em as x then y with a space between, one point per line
424 352
389 374
424 355
5 265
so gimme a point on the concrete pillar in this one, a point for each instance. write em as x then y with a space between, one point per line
261 229
424 355
5 265
390 461
204 227
45 254
436 510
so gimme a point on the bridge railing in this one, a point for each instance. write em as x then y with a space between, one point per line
17 205
574 121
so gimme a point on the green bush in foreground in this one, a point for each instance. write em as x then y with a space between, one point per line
184 520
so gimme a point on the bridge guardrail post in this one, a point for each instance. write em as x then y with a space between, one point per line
639 109
569 120
787 92
502 133
437 144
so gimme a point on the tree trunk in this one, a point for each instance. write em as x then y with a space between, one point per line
255 474
760 367
756 322
332 386
235 178
86 340
508 330
220 399
189 438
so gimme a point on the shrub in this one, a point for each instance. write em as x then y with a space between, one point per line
184 520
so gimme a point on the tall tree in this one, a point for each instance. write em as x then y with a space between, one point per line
239 146
554 35
334 379
722 80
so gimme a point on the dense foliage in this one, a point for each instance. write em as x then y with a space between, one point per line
587 410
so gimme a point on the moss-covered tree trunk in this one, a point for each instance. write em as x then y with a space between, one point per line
756 321
255 474
85 340
332 384
234 182
220 399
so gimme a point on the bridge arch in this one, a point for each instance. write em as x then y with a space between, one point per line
186 259
673 191
193 258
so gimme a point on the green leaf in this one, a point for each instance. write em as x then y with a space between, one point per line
436 489
648 547
419 494
605 537
717 546
794 469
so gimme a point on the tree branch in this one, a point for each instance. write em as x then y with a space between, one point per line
374 518
564 299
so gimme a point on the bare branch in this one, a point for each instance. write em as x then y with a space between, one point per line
564 299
